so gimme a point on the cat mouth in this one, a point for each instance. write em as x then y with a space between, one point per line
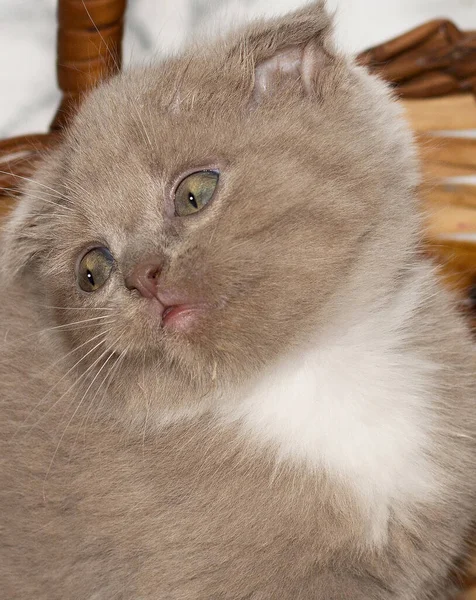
175 313
181 317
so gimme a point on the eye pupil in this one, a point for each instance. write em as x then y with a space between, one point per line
90 277
192 200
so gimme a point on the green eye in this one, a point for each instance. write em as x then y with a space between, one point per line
194 192
94 269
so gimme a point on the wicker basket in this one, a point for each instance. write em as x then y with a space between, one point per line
89 47
433 69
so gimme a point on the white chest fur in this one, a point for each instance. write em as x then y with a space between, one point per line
358 407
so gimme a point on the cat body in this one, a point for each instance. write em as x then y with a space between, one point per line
200 509
256 389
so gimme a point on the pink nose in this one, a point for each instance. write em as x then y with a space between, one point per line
144 278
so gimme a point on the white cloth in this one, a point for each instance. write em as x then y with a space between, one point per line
27 39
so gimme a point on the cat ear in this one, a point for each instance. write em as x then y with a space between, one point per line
22 237
288 66
293 50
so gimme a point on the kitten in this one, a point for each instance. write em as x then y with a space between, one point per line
227 371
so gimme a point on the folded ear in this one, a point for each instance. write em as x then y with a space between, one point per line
283 52
301 64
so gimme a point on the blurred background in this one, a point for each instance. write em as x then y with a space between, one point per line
28 95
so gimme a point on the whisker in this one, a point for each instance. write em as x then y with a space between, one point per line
75 383
40 198
92 399
85 326
74 413
49 216
76 185
88 412
153 131
116 366
146 135
77 323
34 181
148 404
36 407
146 138
74 307
89 325
101 36
29 337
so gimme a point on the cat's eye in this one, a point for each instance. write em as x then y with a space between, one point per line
94 269
194 192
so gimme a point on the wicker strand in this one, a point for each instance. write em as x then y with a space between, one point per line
89 49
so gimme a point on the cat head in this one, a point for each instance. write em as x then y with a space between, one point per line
208 214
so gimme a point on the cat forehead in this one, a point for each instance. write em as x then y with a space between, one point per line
139 119
189 87
122 122
188 99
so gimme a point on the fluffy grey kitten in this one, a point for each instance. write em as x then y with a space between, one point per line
226 370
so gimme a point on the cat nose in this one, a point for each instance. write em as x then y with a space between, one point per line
144 278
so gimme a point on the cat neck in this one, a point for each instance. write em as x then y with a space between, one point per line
355 404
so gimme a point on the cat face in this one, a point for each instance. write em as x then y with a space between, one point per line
205 213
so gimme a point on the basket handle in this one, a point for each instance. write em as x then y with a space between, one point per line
89 49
